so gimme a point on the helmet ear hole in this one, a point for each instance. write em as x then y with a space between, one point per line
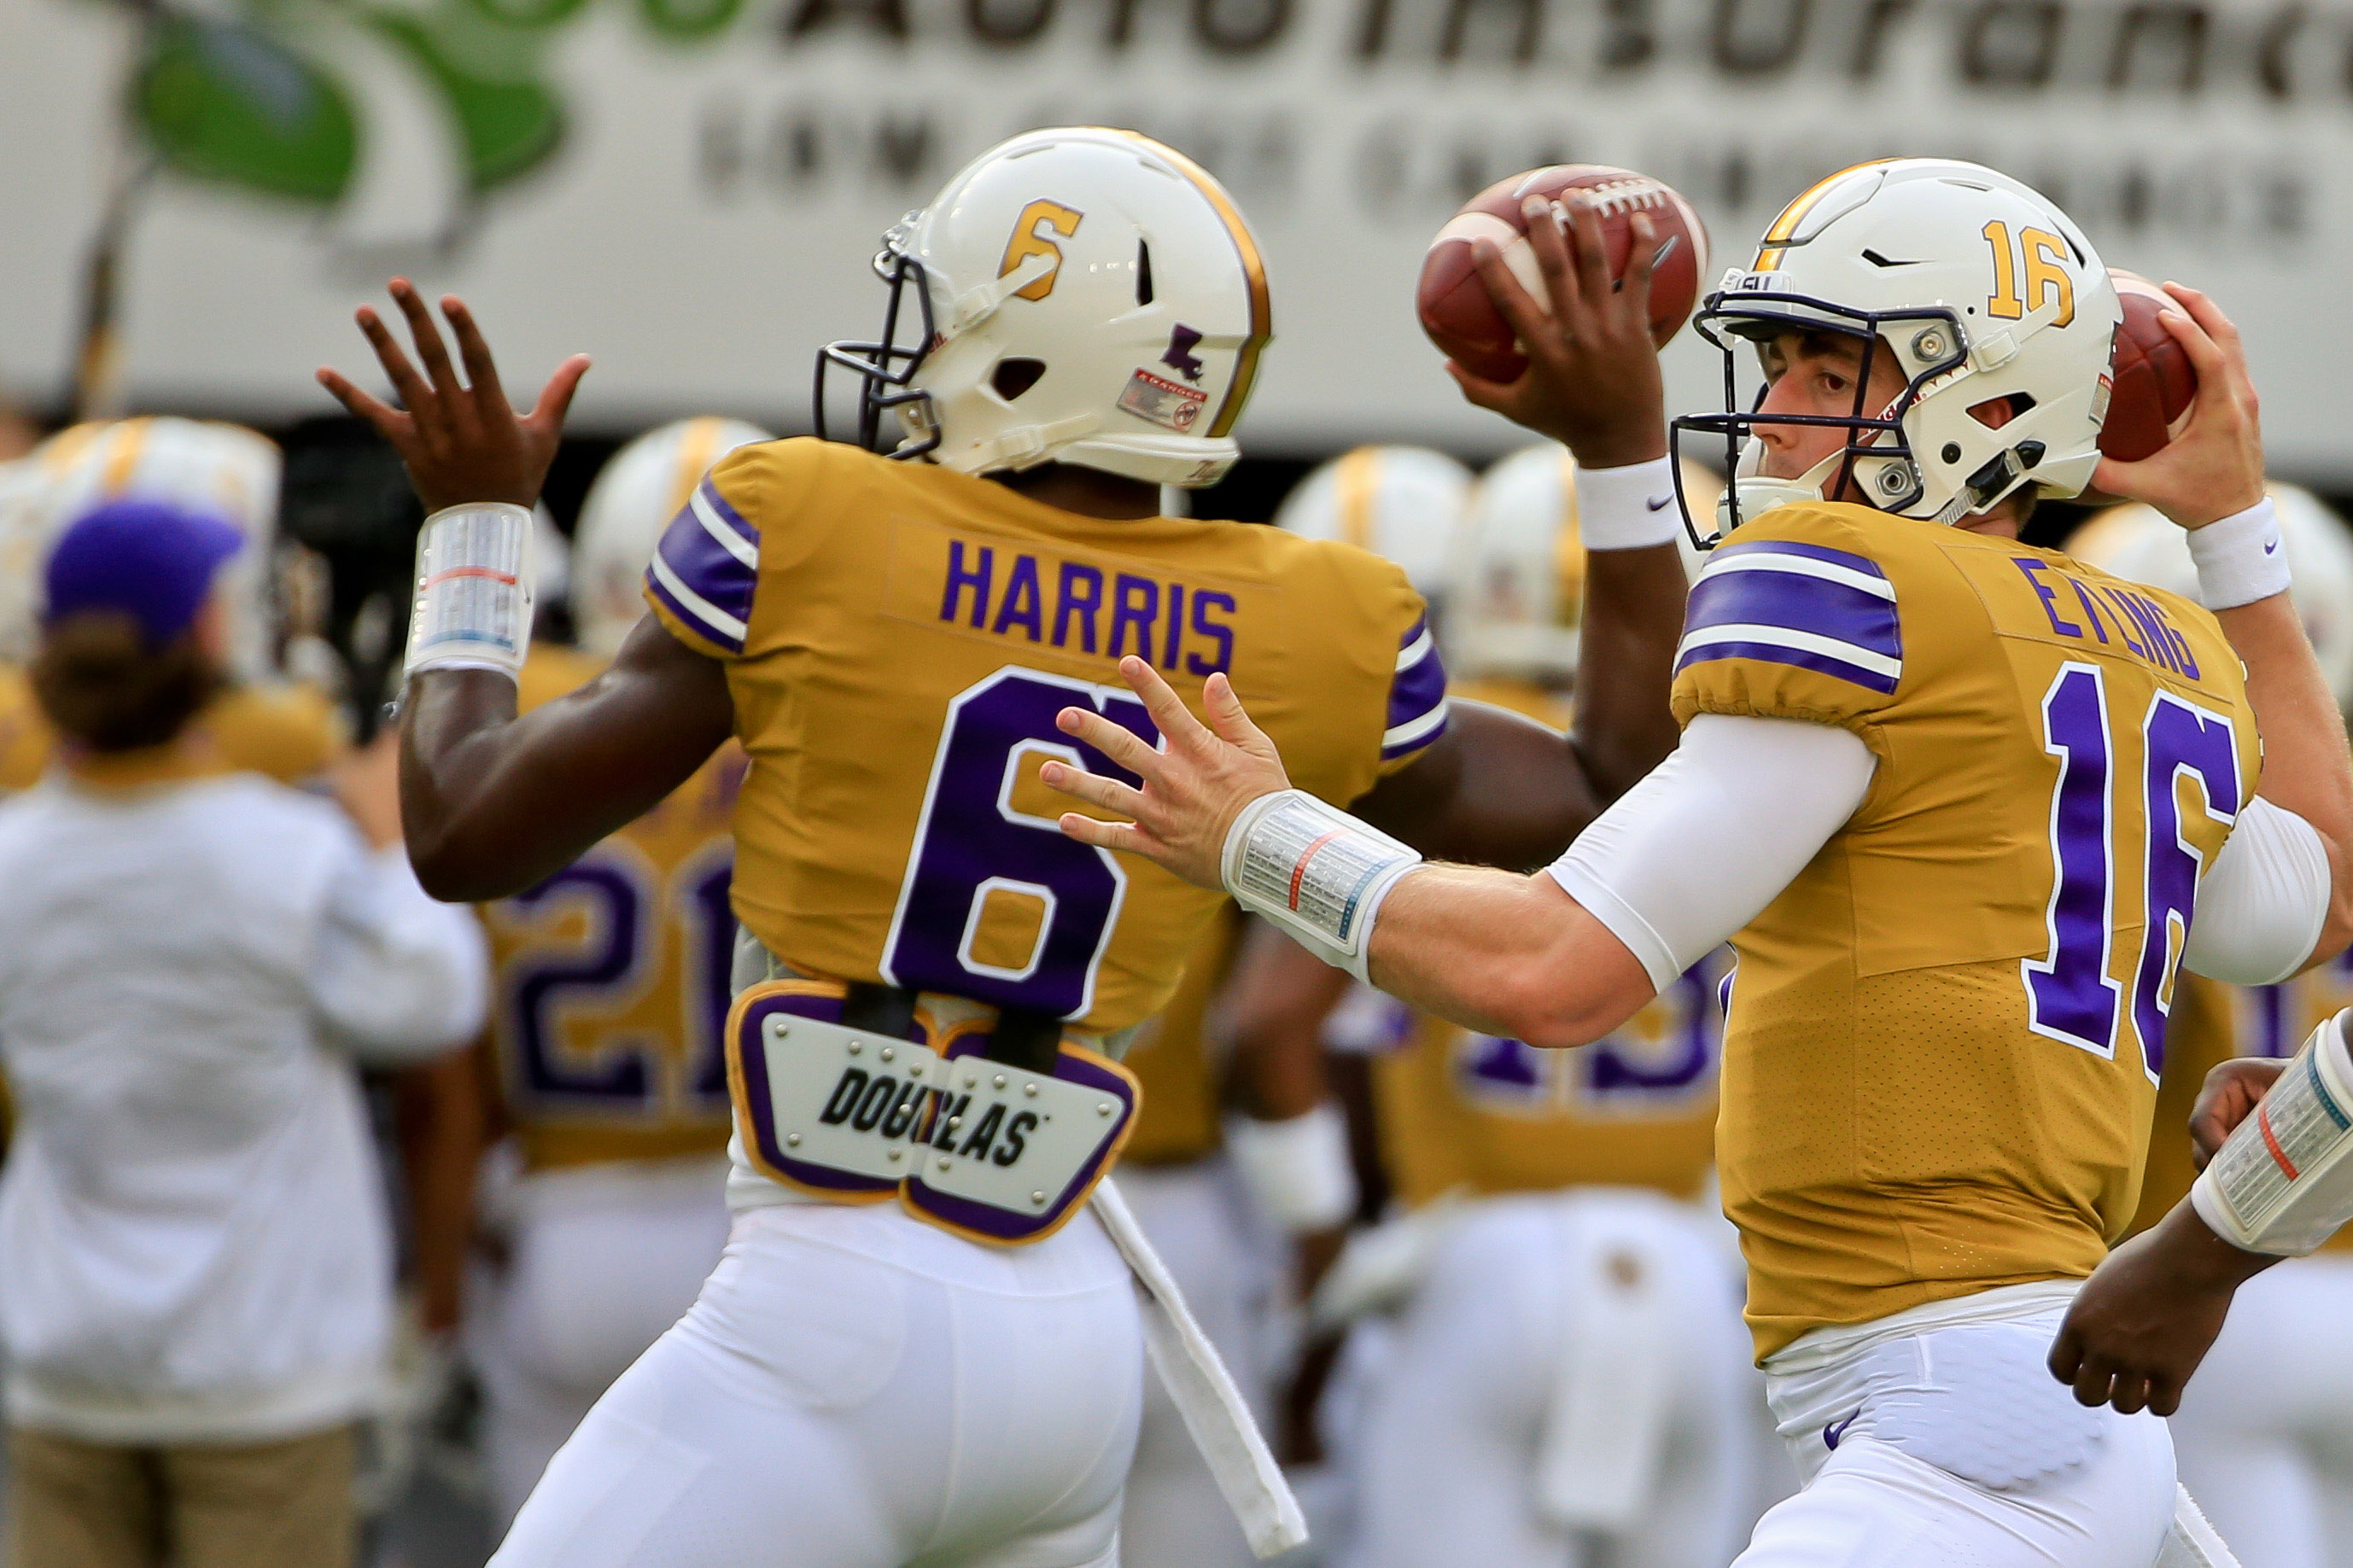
1012 377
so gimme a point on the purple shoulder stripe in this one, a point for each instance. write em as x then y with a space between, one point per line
1799 604
701 581
1846 558
1801 658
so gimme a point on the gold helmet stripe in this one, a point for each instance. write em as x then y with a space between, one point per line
697 445
1768 249
1568 551
1357 481
126 441
1261 314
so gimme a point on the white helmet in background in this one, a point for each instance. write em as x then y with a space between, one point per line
225 470
1979 288
2135 541
1517 601
1403 503
1078 295
20 560
638 492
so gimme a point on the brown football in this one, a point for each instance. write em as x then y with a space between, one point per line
1463 321
2154 381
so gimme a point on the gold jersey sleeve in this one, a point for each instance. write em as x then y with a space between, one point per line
1463 1112
898 639
1945 1035
1180 1118
288 732
611 976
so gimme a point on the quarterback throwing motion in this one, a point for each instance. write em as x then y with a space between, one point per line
1961 805
922 1345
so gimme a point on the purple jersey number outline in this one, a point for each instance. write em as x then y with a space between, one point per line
624 904
2071 995
1609 1075
971 842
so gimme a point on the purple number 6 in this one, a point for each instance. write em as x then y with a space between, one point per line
973 843
2071 995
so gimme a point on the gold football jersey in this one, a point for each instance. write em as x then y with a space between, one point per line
898 639
612 976
1944 1036
288 732
1462 1111
1179 1118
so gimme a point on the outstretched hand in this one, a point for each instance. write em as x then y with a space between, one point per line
1195 783
460 441
2214 469
1592 381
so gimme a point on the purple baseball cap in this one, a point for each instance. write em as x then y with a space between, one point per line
147 559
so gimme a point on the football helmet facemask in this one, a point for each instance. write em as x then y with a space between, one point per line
1076 295
1980 290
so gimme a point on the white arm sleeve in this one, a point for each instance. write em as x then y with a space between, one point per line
396 976
1694 851
2261 909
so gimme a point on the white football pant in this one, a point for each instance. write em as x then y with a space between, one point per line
855 1389
1199 1221
2265 1430
601 1260
1937 1439
1570 1386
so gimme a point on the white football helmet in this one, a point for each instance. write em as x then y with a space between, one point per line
2135 541
225 470
1979 288
1517 600
1404 503
1085 296
636 493
20 560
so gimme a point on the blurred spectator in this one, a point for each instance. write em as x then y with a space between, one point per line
191 962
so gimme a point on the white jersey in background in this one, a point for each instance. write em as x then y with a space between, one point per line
192 1224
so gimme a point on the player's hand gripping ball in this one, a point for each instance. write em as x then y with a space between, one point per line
1463 321
2154 380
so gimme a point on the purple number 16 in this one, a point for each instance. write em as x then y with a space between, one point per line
2071 994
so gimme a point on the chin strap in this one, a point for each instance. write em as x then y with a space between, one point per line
1025 447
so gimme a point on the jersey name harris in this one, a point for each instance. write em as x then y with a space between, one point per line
1077 605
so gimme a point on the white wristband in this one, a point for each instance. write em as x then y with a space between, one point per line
2239 558
1298 1170
1315 871
2281 1182
1630 508
473 605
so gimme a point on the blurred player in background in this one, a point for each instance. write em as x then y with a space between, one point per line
1939 1060
885 1370
257 721
604 1072
2264 1441
1566 1383
193 1232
